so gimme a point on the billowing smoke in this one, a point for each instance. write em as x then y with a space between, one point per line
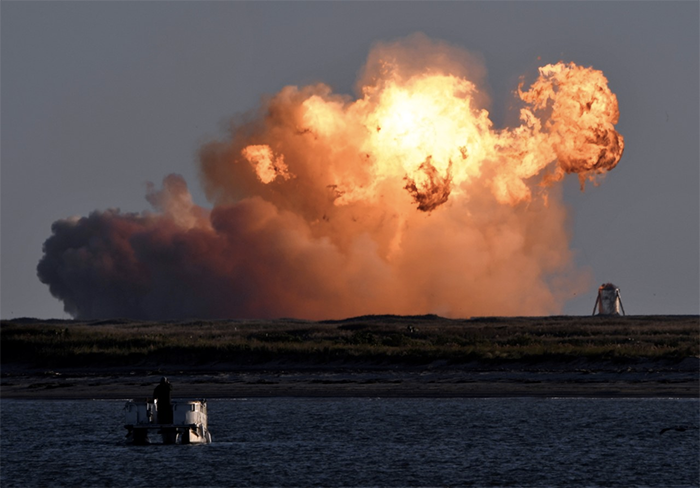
403 199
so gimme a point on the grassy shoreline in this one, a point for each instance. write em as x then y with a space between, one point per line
381 340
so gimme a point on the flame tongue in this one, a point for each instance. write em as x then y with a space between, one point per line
426 130
404 200
583 114
267 166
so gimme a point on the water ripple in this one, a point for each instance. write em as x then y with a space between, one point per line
365 442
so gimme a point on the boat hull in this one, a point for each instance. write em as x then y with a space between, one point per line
189 424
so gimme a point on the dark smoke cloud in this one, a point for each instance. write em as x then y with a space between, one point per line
251 259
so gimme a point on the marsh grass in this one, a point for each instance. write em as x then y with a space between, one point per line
376 340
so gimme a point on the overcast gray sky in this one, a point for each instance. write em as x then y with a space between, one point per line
100 97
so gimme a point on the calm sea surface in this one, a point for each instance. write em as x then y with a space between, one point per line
364 442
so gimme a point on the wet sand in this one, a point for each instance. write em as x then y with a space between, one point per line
644 379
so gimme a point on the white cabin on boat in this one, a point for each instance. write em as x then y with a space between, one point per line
189 422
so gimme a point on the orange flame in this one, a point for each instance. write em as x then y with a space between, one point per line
583 114
402 200
425 134
267 167
420 138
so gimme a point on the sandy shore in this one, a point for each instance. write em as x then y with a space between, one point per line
578 379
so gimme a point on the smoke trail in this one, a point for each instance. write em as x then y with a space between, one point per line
402 200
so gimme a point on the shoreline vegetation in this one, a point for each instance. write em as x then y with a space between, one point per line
379 339
382 355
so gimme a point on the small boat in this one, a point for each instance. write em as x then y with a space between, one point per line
189 425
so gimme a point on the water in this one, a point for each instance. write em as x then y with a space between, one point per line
364 442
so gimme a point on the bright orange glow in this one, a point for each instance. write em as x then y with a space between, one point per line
417 191
267 166
404 199
581 125
426 135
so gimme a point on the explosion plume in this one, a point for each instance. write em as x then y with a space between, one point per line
402 200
